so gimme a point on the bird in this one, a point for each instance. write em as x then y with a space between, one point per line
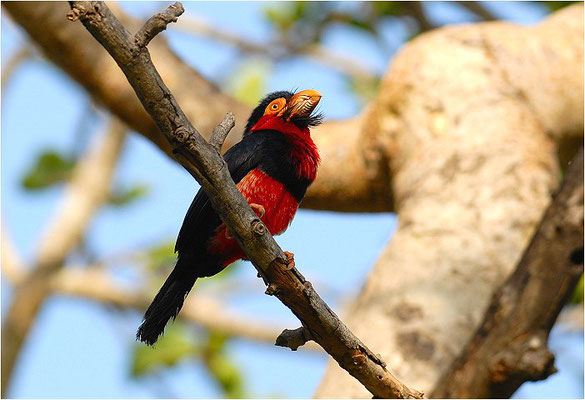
272 166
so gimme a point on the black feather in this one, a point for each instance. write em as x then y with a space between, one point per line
306 121
259 110
263 150
168 302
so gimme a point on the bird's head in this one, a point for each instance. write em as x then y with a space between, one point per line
286 110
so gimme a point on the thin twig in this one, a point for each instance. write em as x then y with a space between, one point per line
416 9
277 50
157 23
222 130
478 9
12 264
23 54
205 164
293 339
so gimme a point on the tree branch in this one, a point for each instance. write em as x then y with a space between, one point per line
73 49
94 283
472 166
417 11
295 338
210 170
20 56
353 175
276 50
478 9
157 23
88 189
509 348
12 264
221 131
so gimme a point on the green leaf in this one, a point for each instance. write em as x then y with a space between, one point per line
172 348
361 24
557 5
227 375
577 296
366 88
124 196
160 255
216 342
285 14
388 8
50 168
221 368
178 345
248 82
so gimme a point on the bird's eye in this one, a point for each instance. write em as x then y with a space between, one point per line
275 106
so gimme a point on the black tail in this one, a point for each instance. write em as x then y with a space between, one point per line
168 302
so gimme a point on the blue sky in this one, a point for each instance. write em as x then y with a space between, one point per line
80 349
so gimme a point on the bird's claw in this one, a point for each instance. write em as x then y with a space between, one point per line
290 260
258 209
223 226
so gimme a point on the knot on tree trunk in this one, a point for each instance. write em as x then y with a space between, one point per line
527 360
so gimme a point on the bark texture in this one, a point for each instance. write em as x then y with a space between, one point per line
472 117
510 346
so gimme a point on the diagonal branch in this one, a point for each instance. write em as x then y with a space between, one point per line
353 175
222 130
276 50
204 163
88 189
509 348
96 284
157 23
12 263
478 9
10 66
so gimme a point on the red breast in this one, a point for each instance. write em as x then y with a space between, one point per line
280 208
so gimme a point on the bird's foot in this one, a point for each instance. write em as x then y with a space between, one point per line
258 209
223 227
290 260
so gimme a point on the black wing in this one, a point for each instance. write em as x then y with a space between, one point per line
201 218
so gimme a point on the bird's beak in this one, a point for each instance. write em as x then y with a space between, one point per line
303 103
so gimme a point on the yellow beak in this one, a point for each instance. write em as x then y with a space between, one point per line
303 103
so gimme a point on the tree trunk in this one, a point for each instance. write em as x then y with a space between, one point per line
471 117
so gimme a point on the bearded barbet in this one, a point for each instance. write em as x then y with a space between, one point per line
272 166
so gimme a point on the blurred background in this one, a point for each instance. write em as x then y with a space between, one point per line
83 346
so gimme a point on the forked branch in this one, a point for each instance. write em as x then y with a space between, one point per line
202 160
157 23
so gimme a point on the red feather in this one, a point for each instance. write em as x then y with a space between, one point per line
257 187
280 208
